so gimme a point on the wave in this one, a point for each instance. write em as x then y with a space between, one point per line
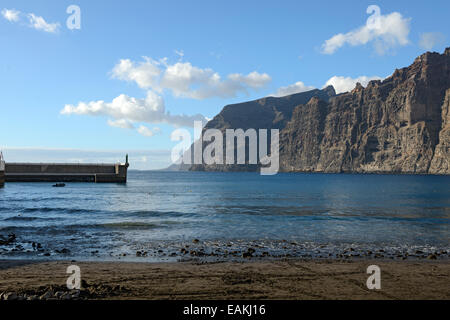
22 218
73 228
130 225
152 213
62 210
123 213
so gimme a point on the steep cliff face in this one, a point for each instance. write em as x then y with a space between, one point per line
267 113
393 125
398 125
441 159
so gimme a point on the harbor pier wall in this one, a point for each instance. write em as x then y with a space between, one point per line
66 172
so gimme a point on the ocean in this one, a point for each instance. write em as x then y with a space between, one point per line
174 216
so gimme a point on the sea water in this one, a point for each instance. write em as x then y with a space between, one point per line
160 212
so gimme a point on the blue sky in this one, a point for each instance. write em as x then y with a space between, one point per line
190 58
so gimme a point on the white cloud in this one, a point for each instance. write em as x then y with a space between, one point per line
386 31
127 124
179 53
293 88
128 109
121 123
36 22
183 79
39 23
11 15
145 131
340 84
145 73
254 79
429 40
345 84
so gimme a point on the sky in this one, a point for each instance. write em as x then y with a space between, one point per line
106 78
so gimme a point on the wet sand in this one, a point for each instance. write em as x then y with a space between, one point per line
281 279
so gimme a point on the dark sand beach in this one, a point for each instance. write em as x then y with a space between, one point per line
279 279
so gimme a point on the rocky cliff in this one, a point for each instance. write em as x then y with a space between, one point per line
266 113
441 159
398 125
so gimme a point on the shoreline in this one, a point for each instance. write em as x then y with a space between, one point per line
14 247
283 279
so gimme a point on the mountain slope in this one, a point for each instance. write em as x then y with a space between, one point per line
266 113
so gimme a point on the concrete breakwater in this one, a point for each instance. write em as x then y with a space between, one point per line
66 172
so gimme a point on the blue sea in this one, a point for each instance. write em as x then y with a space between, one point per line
156 213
